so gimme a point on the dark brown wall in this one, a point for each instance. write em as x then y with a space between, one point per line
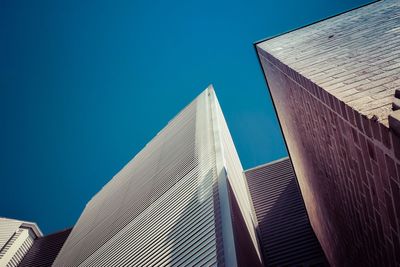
346 167
286 235
245 254
44 250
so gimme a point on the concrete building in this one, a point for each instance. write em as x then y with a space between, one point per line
16 238
183 200
333 85
286 236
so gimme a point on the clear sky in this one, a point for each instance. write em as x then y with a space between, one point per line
84 85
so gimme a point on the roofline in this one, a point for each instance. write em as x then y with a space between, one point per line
60 231
26 224
312 23
267 164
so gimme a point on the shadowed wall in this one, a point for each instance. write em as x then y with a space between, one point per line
286 235
333 85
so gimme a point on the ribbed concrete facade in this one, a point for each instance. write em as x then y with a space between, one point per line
171 204
16 238
334 88
286 236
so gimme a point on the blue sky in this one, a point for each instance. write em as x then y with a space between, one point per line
84 85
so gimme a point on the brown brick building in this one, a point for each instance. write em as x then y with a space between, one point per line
334 84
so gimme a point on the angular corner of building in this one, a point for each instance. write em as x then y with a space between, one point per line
352 57
182 200
334 86
236 205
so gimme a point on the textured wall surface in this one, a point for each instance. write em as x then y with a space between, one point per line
44 250
16 238
238 192
7 229
287 238
170 204
333 84
354 56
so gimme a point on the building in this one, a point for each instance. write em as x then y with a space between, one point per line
286 236
44 250
23 244
182 200
16 238
333 84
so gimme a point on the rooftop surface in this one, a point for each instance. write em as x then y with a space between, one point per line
354 56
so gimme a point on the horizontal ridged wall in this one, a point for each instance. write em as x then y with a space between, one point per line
20 243
286 235
8 228
44 250
16 238
159 209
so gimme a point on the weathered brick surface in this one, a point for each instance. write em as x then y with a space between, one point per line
336 128
354 56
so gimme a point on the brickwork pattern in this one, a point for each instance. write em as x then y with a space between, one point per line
347 165
354 56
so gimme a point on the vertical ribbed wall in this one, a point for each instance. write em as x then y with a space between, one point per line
163 207
286 234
